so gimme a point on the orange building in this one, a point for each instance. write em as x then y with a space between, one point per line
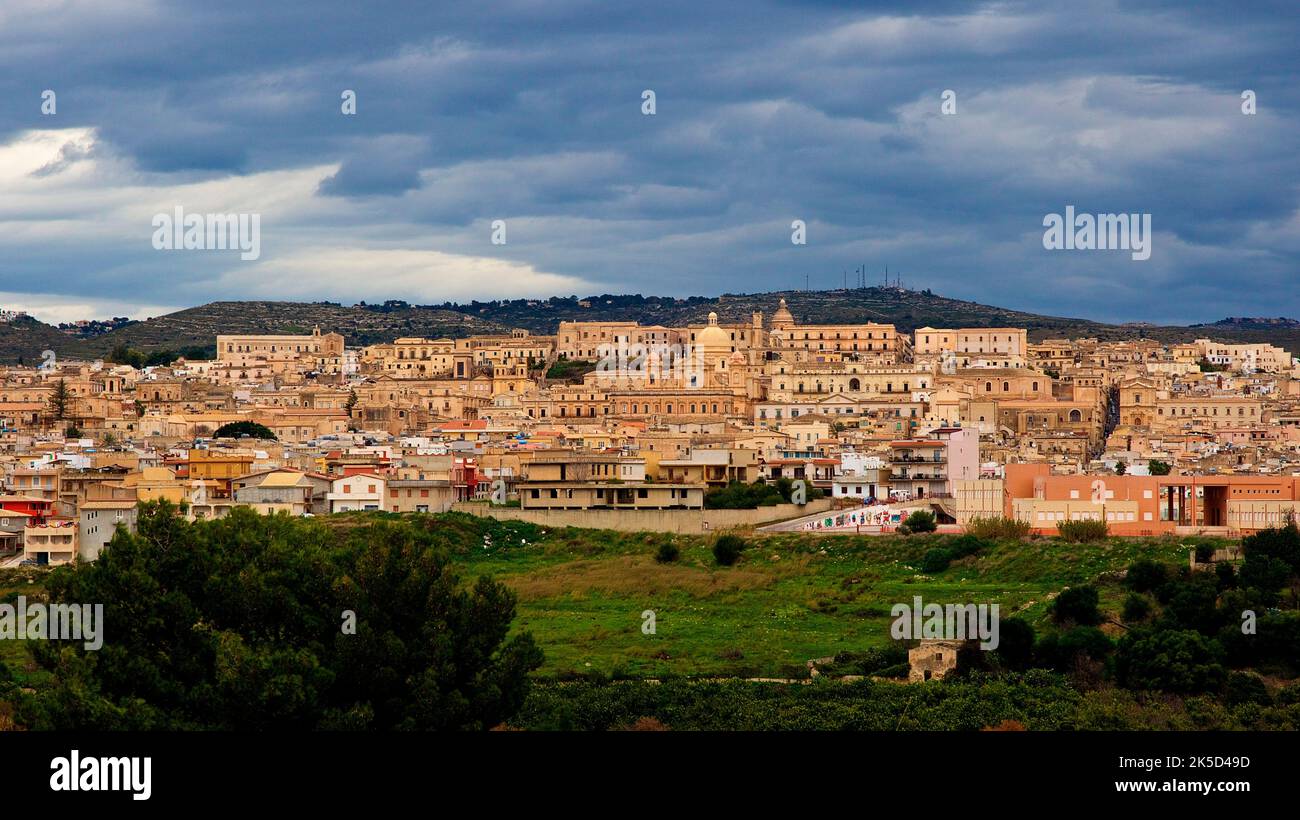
1150 505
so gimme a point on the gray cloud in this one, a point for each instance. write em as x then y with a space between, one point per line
769 112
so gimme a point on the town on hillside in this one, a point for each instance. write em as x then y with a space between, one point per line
861 425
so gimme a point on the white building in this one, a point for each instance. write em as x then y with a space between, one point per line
363 491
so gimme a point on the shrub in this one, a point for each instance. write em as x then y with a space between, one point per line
1184 662
1077 605
727 549
740 496
936 560
1272 558
993 529
1226 576
964 545
667 553
898 670
1064 651
1289 695
1204 553
1243 687
921 521
1146 575
1192 604
1015 643
1082 532
1136 608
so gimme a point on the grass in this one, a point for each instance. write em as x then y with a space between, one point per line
791 597
15 654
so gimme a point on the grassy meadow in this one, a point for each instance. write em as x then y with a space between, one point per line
789 599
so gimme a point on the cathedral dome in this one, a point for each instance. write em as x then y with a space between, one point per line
782 319
713 339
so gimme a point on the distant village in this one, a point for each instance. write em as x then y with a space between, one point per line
621 418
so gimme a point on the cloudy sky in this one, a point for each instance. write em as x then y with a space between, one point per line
765 113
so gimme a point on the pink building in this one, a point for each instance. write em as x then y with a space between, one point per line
927 467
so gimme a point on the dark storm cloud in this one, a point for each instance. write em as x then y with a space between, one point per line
529 112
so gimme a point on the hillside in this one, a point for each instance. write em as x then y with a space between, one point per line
23 341
199 326
368 324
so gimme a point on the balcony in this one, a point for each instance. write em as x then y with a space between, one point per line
908 458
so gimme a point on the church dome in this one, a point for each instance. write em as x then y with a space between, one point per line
713 339
782 319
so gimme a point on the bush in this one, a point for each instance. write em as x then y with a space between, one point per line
936 560
1192 604
1077 605
1226 576
998 528
1136 608
1243 687
1064 651
1146 575
1015 643
740 496
964 545
1082 532
1183 662
1272 558
667 553
921 521
727 549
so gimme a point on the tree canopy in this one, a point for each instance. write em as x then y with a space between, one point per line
242 623
244 428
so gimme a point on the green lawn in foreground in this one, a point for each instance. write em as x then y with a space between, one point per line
791 598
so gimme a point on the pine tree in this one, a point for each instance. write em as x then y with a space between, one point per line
60 400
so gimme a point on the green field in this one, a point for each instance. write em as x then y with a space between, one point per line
13 653
791 598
